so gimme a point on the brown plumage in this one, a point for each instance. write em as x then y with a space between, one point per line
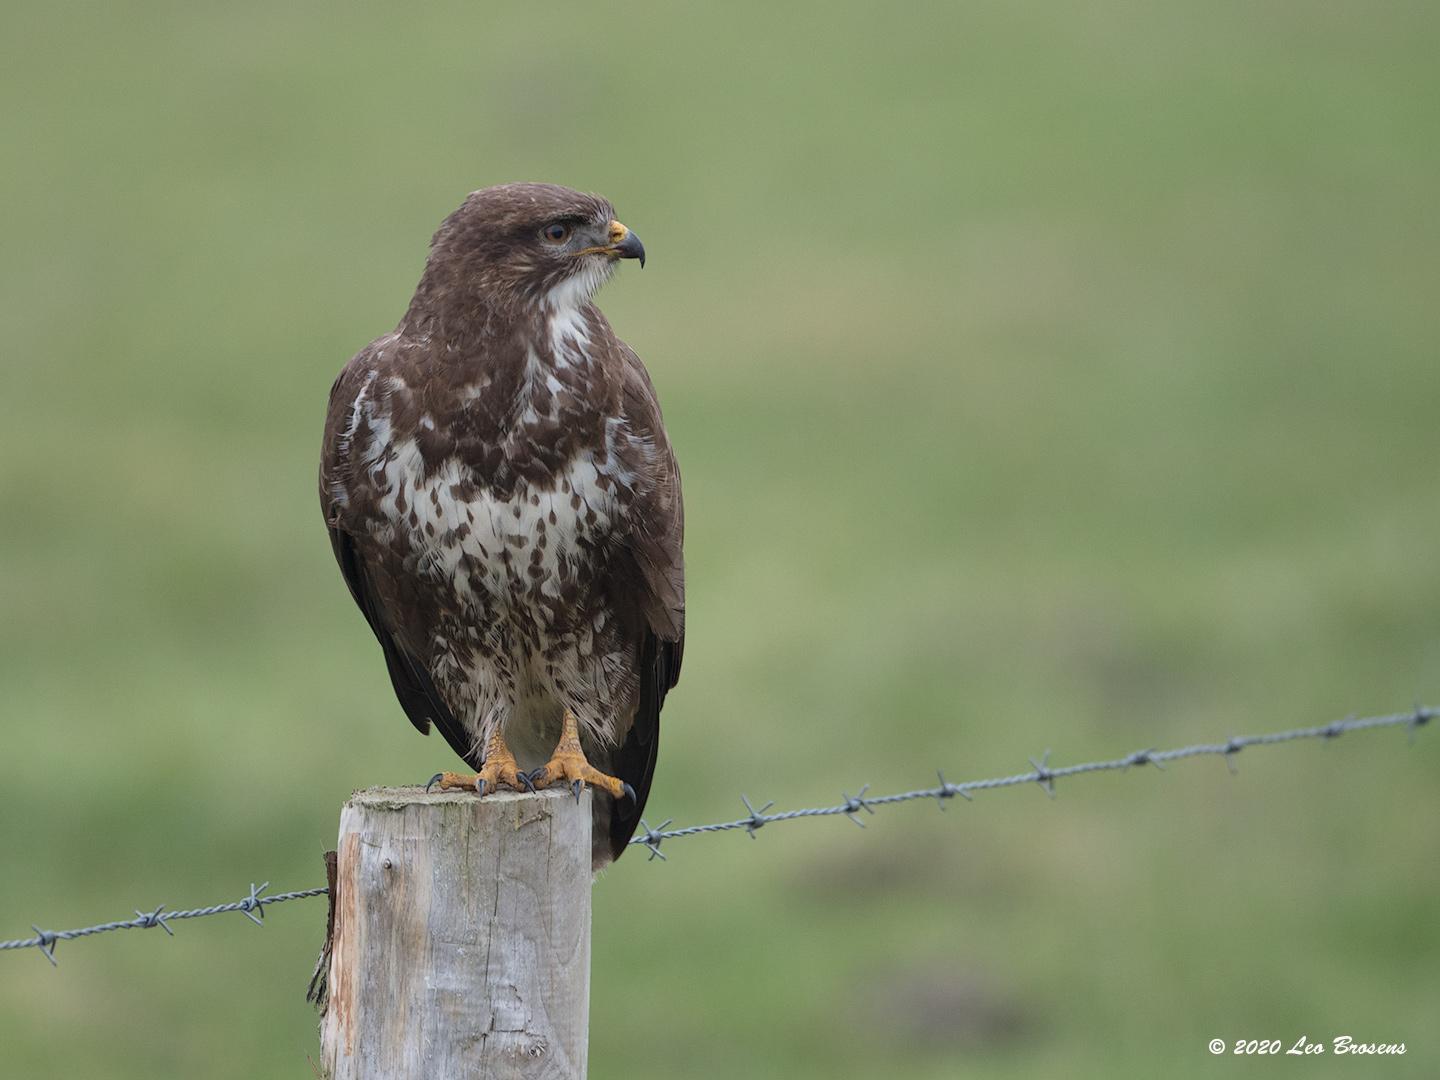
503 500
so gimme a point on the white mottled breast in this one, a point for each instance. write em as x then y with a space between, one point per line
539 526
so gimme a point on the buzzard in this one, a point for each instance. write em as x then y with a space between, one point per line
505 507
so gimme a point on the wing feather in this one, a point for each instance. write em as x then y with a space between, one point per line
414 686
656 550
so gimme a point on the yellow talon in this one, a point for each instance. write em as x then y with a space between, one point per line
499 768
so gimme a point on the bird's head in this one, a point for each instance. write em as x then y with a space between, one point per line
529 244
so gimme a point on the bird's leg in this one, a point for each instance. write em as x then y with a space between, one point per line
568 764
499 768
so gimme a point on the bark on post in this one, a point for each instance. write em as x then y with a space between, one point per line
462 937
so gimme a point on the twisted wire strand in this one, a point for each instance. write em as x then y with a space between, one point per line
1041 772
252 907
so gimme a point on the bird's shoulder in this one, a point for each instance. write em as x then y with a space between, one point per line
349 415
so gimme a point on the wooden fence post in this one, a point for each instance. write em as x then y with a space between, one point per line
462 937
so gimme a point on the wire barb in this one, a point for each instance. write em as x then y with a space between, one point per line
651 838
46 939
1419 719
947 790
1043 776
251 907
855 803
1145 757
757 818
148 920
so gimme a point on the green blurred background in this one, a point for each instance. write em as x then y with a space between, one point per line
1044 375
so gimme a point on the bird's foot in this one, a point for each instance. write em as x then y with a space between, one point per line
488 779
571 768
568 765
499 768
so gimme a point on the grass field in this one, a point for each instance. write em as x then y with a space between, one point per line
1053 375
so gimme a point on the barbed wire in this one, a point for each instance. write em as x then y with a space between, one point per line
252 907
1041 772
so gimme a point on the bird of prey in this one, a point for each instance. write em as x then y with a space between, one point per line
505 507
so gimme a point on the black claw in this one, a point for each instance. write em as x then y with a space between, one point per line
433 781
528 780
533 775
627 792
480 785
577 787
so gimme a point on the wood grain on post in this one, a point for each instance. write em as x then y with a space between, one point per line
462 937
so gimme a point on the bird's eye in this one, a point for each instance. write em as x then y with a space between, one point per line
556 232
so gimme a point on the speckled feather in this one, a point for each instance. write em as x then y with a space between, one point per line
504 503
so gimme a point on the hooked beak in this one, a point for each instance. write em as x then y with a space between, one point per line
624 244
